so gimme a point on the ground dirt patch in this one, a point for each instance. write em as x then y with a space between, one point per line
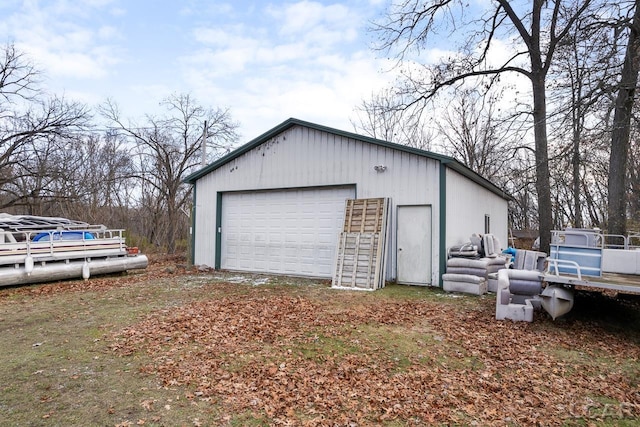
178 346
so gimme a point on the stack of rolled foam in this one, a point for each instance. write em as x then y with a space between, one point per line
466 275
495 264
467 250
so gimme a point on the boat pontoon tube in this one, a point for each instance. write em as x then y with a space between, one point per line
557 300
52 271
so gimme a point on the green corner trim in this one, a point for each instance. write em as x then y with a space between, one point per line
218 230
443 222
192 238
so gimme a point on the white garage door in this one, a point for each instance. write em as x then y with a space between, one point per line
284 231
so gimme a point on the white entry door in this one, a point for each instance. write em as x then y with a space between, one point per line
414 245
283 231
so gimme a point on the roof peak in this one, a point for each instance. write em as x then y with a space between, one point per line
292 121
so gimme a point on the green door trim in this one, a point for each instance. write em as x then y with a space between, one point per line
192 242
443 222
218 230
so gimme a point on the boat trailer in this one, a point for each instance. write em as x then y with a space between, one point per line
583 258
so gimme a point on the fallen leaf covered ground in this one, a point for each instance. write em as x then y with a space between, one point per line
262 350
332 357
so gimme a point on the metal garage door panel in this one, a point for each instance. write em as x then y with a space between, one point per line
283 231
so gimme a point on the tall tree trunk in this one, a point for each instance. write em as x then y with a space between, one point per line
617 221
575 163
634 187
538 77
543 186
576 124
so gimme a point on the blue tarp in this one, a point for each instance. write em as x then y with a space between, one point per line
63 235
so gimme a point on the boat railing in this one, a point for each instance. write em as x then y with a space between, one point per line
616 241
61 244
554 265
56 226
586 238
578 237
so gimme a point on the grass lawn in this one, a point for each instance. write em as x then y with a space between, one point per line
176 347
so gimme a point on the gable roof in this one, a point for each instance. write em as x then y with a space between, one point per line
450 162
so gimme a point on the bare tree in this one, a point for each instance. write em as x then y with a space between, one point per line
474 135
168 148
32 125
379 118
617 196
98 182
411 24
582 77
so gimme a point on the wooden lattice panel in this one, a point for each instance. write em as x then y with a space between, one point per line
357 263
364 215
361 252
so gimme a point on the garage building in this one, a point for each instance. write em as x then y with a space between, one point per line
276 204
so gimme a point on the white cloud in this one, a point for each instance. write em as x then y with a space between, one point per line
304 59
305 16
90 3
108 32
208 8
60 44
117 11
325 93
71 64
316 23
216 37
68 9
303 64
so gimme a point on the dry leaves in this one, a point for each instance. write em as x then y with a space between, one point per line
339 361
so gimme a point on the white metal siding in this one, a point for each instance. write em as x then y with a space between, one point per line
288 231
305 157
467 205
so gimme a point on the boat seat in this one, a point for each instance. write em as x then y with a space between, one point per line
529 260
481 267
518 294
465 283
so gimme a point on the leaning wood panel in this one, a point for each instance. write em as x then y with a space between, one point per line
381 265
356 259
361 252
365 215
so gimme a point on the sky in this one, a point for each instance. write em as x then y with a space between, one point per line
264 61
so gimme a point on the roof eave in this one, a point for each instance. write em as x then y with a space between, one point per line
449 161
191 179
